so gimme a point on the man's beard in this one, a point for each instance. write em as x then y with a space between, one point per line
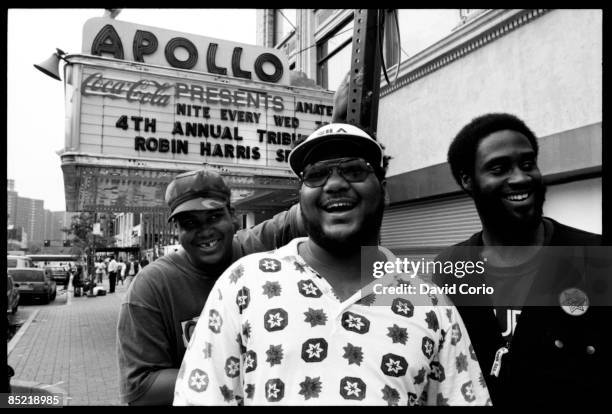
352 243
499 220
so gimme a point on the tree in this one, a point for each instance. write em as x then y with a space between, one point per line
34 248
80 234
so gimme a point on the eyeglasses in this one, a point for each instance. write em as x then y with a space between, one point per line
353 170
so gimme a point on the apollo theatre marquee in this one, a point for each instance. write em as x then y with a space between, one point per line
144 104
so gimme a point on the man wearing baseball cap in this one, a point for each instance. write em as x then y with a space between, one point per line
164 301
290 327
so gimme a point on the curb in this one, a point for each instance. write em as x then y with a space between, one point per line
13 342
37 388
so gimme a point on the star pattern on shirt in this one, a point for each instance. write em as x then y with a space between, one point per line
269 265
455 334
402 307
275 319
432 321
472 353
275 354
215 321
397 334
461 363
309 289
394 365
228 394
440 400
315 317
442 339
467 390
412 399
352 388
243 298
356 323
300 268
353 354
236 273
232 367
314 350
271 289
436 371
310 387
198 380
427 346
246 331
250 391
390 395
275 390
250 361
420 376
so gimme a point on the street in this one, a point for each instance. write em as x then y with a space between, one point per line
69 344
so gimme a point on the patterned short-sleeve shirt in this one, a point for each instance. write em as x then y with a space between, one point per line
273 332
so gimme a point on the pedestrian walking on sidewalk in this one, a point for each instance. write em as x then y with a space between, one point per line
131 270
112 274
120 271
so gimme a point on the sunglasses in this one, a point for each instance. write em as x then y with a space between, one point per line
353 170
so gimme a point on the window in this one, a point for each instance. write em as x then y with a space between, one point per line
284 20
421 28
334 57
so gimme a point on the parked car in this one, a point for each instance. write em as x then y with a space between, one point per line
59 274
33 282
18 261
12 295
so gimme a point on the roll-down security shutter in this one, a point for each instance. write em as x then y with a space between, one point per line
429 224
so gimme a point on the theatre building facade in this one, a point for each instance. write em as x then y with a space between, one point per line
544 65
144 104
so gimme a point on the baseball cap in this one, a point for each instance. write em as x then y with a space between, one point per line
341 140
197 190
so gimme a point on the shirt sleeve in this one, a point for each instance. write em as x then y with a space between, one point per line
211 371
272 233
143 346
455 377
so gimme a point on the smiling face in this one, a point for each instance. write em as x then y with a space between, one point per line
507 185
207 237
342 216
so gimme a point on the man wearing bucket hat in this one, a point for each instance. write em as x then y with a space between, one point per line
165 300
292 327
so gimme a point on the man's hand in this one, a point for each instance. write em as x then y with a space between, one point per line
340 113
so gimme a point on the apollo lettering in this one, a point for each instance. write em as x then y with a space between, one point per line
145 43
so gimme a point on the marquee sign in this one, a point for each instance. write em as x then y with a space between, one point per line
144 115
151 45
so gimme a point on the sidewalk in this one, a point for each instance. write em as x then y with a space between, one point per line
73 347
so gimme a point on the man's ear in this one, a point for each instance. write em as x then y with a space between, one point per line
235 220
386 196
466 182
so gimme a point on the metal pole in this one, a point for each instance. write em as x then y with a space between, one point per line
364 79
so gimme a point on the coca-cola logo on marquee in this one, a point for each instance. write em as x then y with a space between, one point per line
143 91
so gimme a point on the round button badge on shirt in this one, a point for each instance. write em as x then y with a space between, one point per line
574 301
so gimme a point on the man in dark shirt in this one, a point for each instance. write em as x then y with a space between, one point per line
164 302
541 336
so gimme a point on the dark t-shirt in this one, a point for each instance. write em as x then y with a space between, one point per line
165 300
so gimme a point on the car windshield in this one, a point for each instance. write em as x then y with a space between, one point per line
26 275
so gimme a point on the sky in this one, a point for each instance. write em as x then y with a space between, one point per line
35 102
